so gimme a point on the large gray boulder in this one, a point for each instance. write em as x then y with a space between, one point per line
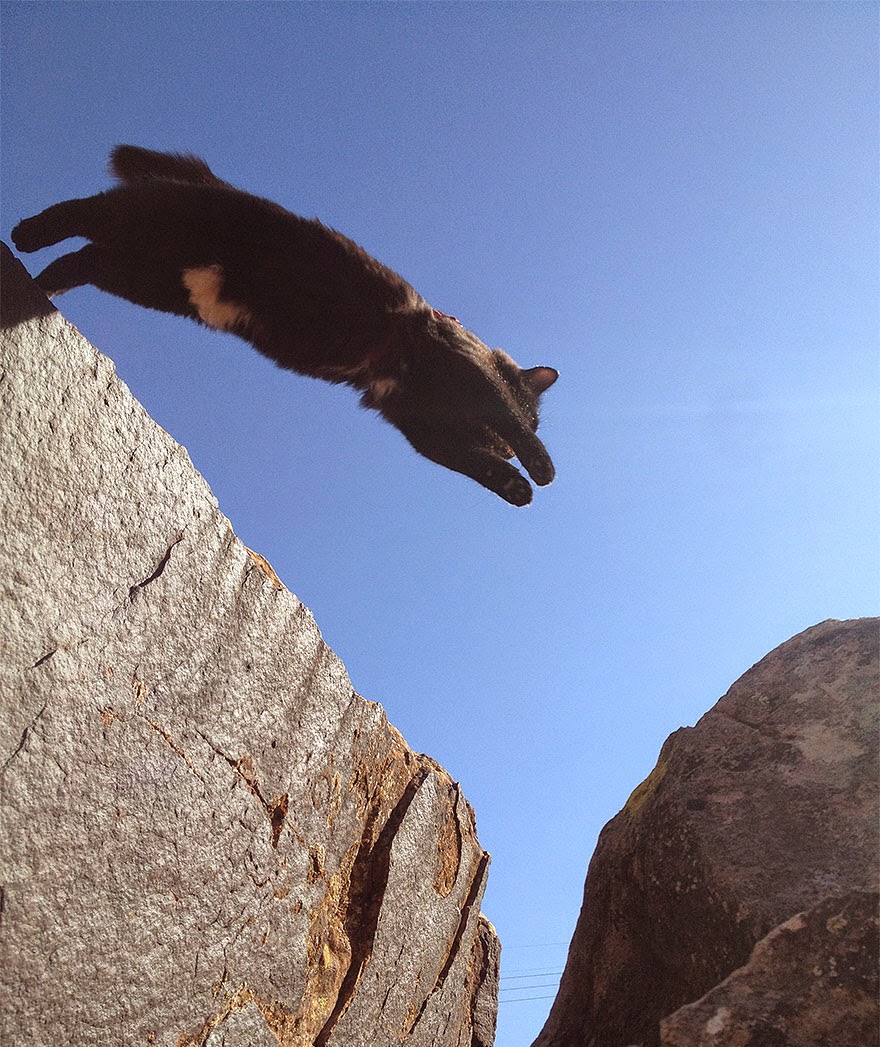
766 809
207 836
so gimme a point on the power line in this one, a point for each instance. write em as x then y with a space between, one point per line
524 988
532 973
526 999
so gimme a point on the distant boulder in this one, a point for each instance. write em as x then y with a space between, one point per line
766 809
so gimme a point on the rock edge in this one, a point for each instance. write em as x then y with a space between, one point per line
209 838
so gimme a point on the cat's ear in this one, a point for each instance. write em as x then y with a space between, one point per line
540 378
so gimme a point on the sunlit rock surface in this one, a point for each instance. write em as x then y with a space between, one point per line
207 837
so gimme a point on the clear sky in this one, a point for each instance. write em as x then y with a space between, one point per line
675 205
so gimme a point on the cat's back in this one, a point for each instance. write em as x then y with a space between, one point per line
176 201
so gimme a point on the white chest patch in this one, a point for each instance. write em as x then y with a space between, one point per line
204 286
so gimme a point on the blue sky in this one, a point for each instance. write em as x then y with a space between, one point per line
673 204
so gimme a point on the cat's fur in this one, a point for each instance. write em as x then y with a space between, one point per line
172 236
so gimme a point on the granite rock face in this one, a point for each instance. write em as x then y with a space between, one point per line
766 809
207 837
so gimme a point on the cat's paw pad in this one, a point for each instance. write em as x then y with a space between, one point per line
541 469
517 490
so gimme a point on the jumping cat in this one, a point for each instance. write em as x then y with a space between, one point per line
174 237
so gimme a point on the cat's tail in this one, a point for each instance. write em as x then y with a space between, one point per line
130 163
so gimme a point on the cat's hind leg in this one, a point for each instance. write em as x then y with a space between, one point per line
70 270
56 223
144 281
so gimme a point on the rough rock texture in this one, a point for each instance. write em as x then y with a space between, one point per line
812 980
767 808
208 838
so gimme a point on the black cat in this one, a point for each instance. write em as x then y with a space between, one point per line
175 237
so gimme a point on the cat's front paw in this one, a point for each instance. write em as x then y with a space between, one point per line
541 469
517 490
26 235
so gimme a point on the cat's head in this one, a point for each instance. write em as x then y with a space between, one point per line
468 407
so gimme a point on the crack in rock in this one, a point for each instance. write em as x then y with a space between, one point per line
175 748
160 567
276 809
24 737
458 937
368 882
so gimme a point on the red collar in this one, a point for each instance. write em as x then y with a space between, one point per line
446 316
